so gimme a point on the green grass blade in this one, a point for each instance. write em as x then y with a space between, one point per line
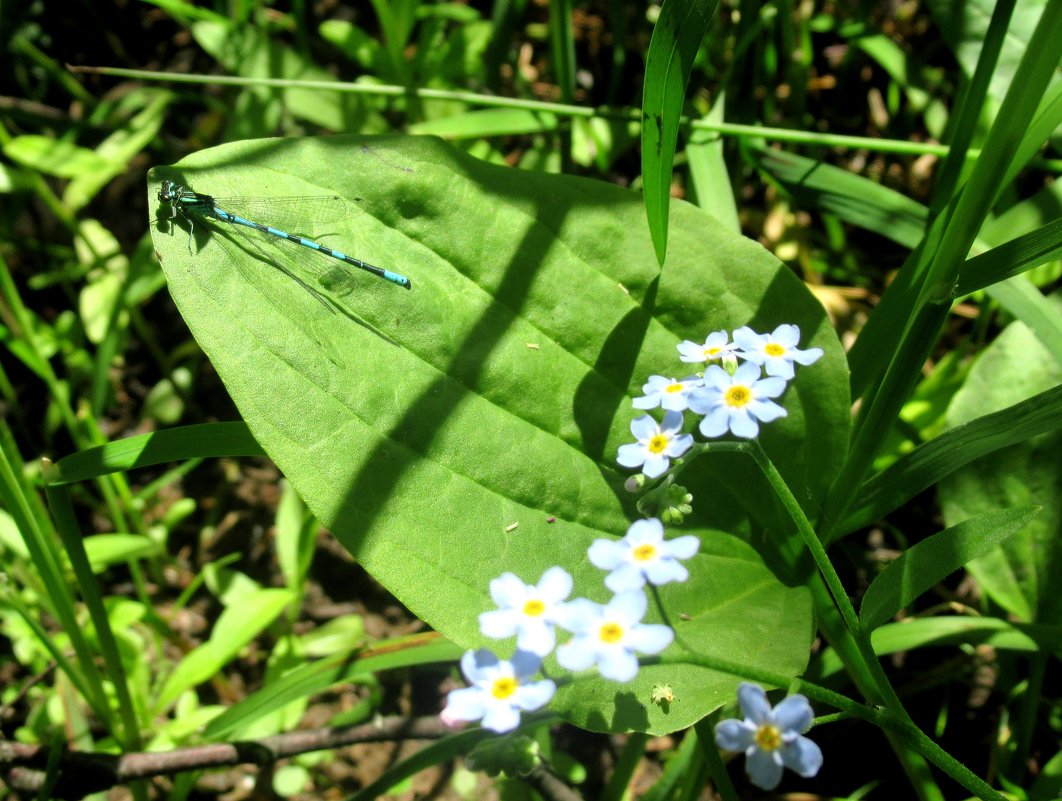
170 445
930 561
963 123
64 606
562 47
675 772
709 174
317 677
487 122
978 196
505 15
234 629
929 463
851 197
55 590
677 37
438 753
1011 258
70 534
1018 296
1045 121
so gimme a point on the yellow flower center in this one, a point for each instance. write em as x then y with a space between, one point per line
768 737
503 687
611 633
673 388
774 349
534 608
658 443
644 553
711 353
738 395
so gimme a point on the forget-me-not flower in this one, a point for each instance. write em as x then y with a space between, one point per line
657 445
771 738
529 611
775 351
643 555
667 393
609 636
499 691
735 402
716 348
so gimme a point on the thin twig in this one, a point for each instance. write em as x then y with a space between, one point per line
82 773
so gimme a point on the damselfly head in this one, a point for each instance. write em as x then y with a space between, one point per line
168 192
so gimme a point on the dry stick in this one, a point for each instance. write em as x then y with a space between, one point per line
81 773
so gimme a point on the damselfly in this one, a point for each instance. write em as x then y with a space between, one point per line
189 204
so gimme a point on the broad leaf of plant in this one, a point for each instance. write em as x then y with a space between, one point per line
1024 576
469 427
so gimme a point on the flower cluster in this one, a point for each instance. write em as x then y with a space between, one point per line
606 636
734 393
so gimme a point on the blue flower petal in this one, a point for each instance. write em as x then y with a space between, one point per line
617 664
606 554
631 455
655 465
501 718
625 577
743 424
754 703
535 695
802 756
525 664
650 638
734 735
681 547
499 623
467 703
763 769
663 571
577 654
794 714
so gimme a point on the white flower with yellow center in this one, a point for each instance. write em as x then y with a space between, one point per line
775 351
528 611
667 393
657 445
609 636
643 555
735 402
499 691
716 348
771 738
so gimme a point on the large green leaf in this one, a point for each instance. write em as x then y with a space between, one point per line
499 388
1024 576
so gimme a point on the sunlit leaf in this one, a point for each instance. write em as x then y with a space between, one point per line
469 426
